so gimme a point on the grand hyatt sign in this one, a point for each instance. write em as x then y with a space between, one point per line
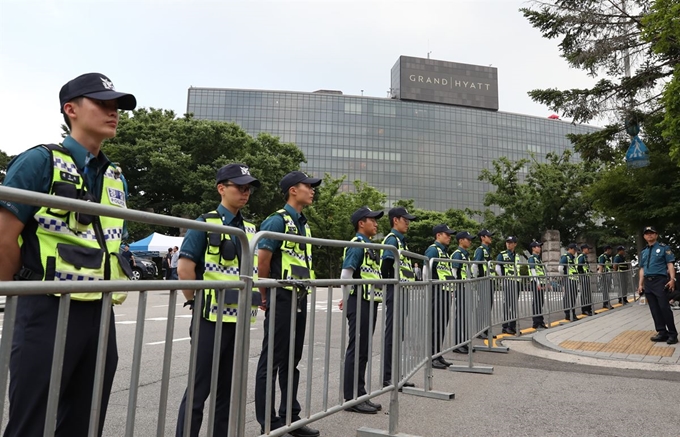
444 82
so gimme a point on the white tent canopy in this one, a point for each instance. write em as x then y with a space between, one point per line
156 243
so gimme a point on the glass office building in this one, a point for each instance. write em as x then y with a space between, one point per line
432 153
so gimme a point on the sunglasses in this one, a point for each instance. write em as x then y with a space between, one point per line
242 188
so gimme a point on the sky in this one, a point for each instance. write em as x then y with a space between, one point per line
156 50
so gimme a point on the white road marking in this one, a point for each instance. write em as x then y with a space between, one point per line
173 340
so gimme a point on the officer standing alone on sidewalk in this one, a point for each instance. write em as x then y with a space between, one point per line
441 294
604 268
65 246
657 281
216 257
461 272
508 268
584 275
285 260
538 284
400 220
570 282
363 301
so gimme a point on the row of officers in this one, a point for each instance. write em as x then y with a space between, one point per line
47 244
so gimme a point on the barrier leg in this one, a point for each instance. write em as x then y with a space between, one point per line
470 317
490 345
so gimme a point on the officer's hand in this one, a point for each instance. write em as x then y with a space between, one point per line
263 296
340 304
640 289
670 285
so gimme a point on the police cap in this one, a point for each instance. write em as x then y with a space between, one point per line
365 212
95 86
649 229
297 177
400 211
464 234
620 248
536 244
236 173
572 246
485 233
511 239
442 228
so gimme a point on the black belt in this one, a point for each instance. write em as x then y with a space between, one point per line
650 277
27 275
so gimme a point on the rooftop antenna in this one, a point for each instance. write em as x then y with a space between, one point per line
428 49
362 92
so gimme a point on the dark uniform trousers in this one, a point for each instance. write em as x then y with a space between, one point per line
586 293
389 319
625 286
441 307
604 284
537 304
570 295
31 361
511 295
485 303
280 345
461 329
364 334
206 339
658 300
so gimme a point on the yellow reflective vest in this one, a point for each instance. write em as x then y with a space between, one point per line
405 268
296 258
369 270
222 264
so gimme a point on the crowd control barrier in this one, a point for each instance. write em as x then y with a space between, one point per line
424 319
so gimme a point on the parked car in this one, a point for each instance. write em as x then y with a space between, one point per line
145 269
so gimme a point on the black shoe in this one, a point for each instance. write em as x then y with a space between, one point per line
588 313
672 340
306 431
462 350
660 337
436 364
541 326
409 384
510 331
387 383
362 408
444 362
484 335
374 405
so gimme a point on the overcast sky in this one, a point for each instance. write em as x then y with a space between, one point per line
158 49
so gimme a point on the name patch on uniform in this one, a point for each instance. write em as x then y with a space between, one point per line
68 177
116 197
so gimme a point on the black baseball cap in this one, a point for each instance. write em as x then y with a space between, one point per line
297 177
365 212
649 229
400 211
464 234
238 174
485 233
572 246
535 244
586 246
607 247
620 248
511 239
442 228
96 86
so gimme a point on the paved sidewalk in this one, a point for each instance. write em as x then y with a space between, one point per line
620 334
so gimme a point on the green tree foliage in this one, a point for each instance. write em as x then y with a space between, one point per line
4 160
330 218
552 196
170 163
595 36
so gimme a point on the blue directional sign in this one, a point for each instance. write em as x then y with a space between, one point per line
638 154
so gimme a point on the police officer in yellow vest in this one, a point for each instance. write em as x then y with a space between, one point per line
568 267
604 267
400 220
483 254
360 263
216 257
461 271
509 269
583 268
289 261
538 284
58 245
441 294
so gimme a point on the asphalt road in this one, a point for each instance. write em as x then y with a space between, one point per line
526 395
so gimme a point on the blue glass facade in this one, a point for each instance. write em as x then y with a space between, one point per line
428 152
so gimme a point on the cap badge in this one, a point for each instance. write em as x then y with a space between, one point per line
245 171
107 84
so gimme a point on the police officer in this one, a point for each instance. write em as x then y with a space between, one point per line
288 261
363 301
483 254
400 220
584 276
216 257
538 284
569 269
461 271
620 265
440 293
509 269
657 280
604 268
62 245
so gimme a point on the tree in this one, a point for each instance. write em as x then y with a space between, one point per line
170 163
4 161
633 47
552 196
330 218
